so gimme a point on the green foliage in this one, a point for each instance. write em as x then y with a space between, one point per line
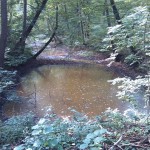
133 90
131 38
15 58
132 59
79 132
15 129
94 140
115 119
61 133
7 79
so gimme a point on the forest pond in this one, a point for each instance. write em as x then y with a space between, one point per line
65 87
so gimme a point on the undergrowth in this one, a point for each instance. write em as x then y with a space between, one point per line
111 130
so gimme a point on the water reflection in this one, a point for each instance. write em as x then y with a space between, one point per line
84 88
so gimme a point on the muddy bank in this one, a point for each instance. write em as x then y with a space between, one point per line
61 55
100 60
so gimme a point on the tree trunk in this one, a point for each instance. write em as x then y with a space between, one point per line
107 13
24 23
66 17
81 22
30 27
51 38
4 31
117 18
115 11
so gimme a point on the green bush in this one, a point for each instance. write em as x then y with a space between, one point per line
79 132
15 128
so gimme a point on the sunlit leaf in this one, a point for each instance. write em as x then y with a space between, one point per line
36 132
90 136
20 147
37 143
98 140
83 146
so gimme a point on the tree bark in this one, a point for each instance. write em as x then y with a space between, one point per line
4 31
30 27
81 22
117 18
51 38
115 11
107 13
24 23
66 17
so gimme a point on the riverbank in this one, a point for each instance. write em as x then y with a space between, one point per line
61 55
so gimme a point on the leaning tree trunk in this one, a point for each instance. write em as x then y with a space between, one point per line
115 11
30 27
51 38
4 31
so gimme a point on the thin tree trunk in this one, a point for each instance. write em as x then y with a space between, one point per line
107 13
87 30
4 31
117 18
24 23
78 24
81 23
30 27
115 11
66 16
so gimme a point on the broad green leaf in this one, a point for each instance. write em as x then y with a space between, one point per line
35 127
87 141
42 120
53 143
90 136
83 146
59 147
36 132
94 148
37 143
47 130
20 147
98 140
99 132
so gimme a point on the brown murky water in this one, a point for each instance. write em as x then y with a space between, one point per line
65 87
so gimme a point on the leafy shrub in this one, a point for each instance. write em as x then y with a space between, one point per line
7 85
79 132
7 79
134 91
15 58
15 128
61 133
131 38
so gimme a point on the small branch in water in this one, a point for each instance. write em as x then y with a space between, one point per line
49 95
35 95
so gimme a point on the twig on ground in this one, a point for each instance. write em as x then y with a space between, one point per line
133 145
116 143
